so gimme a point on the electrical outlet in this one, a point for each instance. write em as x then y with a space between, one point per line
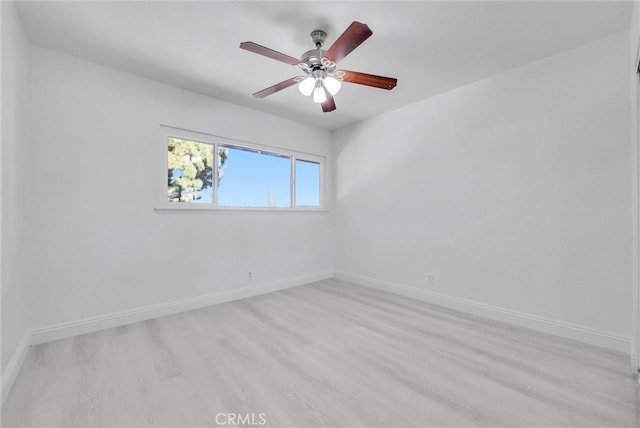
249 276
430 279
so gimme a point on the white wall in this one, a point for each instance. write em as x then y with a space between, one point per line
514 192
14 231
98 245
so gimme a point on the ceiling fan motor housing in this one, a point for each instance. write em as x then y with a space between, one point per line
313 59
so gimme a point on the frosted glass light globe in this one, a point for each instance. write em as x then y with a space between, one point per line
306 86
319 96
333 85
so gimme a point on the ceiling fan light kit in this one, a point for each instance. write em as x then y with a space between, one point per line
321 78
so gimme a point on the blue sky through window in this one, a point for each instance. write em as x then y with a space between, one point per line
307 183
255 179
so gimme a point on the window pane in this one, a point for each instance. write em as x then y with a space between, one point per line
253 178
307 183
189 171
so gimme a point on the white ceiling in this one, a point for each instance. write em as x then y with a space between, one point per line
430 47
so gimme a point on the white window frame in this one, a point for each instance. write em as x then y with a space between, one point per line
164 206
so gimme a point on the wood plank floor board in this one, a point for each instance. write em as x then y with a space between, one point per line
296 360
327 354
533 371
535 346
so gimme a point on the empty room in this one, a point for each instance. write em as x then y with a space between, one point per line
320 214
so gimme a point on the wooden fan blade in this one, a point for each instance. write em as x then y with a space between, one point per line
275 88
270 53
329 104
369 80
352 37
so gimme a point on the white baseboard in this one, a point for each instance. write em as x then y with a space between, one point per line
101 322
88 325
559 328
10 372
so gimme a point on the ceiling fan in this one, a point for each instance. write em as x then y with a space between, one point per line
321 78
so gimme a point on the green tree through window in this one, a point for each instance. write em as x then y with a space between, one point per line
190 170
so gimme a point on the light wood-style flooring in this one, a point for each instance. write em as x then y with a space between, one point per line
326 354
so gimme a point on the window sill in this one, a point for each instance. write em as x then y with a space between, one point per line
195 209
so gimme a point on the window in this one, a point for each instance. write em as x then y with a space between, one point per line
307 183
207 172
254 178
190 171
